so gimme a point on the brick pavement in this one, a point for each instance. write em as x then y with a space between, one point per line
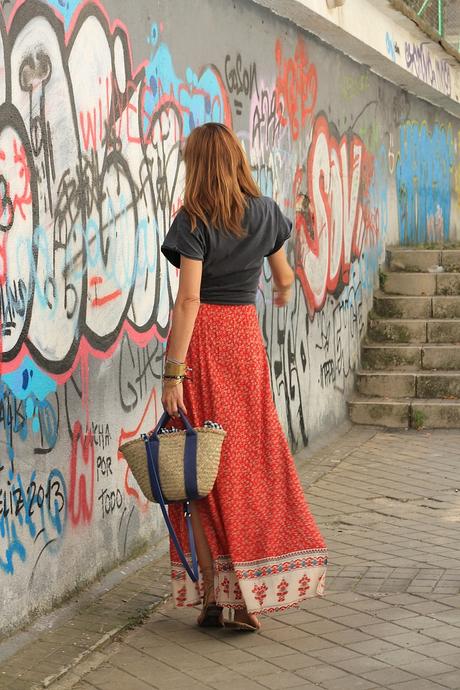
389 507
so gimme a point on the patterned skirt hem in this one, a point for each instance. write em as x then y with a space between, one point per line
264 588
265 610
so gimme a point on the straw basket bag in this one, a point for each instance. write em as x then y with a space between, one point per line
176 467
187 461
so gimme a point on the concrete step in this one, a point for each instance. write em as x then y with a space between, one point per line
422 307
443 330
382 356
440 356
421 260
418 284
410 284
435 414
447 307
393 414
405 413
397 330
391 306
409 357
450 259
448 284
386 384
412 260
414 330
438 384
418 384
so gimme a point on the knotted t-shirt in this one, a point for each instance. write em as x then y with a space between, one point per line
231 265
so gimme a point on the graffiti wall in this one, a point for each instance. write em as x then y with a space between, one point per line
94 102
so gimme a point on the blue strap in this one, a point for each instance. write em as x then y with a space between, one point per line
151 449
190 468
191 539
190 454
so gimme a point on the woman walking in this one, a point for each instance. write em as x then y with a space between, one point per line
259 548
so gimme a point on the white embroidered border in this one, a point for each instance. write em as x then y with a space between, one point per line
262 586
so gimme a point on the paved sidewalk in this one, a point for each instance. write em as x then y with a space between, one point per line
389 507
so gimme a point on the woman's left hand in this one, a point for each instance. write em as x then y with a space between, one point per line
173 399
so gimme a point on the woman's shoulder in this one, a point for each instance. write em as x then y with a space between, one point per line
260 205
262 209
181 217
182 222
261 200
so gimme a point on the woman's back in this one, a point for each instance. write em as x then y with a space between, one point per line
231 264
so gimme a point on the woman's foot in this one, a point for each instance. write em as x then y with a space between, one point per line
243 620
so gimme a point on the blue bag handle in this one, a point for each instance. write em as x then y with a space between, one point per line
190 453
152 446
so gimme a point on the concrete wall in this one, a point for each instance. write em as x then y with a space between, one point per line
94 101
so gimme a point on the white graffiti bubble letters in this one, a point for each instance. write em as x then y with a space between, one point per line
41 93
18 217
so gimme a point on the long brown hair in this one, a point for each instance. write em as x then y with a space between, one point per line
217 178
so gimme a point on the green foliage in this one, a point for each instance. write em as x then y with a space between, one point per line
418 419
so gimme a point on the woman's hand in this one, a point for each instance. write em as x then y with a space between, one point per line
173 398
282 296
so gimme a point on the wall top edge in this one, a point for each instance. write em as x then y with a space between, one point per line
383 39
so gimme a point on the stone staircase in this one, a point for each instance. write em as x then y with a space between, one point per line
410 365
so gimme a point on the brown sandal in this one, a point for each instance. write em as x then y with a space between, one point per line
232 624
211 615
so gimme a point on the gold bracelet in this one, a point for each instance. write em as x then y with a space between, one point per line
173 369
172 380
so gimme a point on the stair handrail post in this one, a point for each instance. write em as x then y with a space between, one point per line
441 18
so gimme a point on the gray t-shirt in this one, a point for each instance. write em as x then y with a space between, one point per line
231 265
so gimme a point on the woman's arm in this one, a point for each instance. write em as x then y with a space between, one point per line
183 321
282 276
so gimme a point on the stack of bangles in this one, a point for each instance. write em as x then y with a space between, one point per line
175 372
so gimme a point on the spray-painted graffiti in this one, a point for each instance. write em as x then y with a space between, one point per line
286 333
423 173
32 518
353 86
391 46
340 330
241 81
82 218
296 88
338 176
28 410
432 70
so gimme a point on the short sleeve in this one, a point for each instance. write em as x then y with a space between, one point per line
282 228
181 241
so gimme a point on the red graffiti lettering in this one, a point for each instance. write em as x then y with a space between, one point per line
146 423
81 494
23 172
331 236
296 88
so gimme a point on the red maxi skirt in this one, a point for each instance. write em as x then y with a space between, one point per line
268 551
